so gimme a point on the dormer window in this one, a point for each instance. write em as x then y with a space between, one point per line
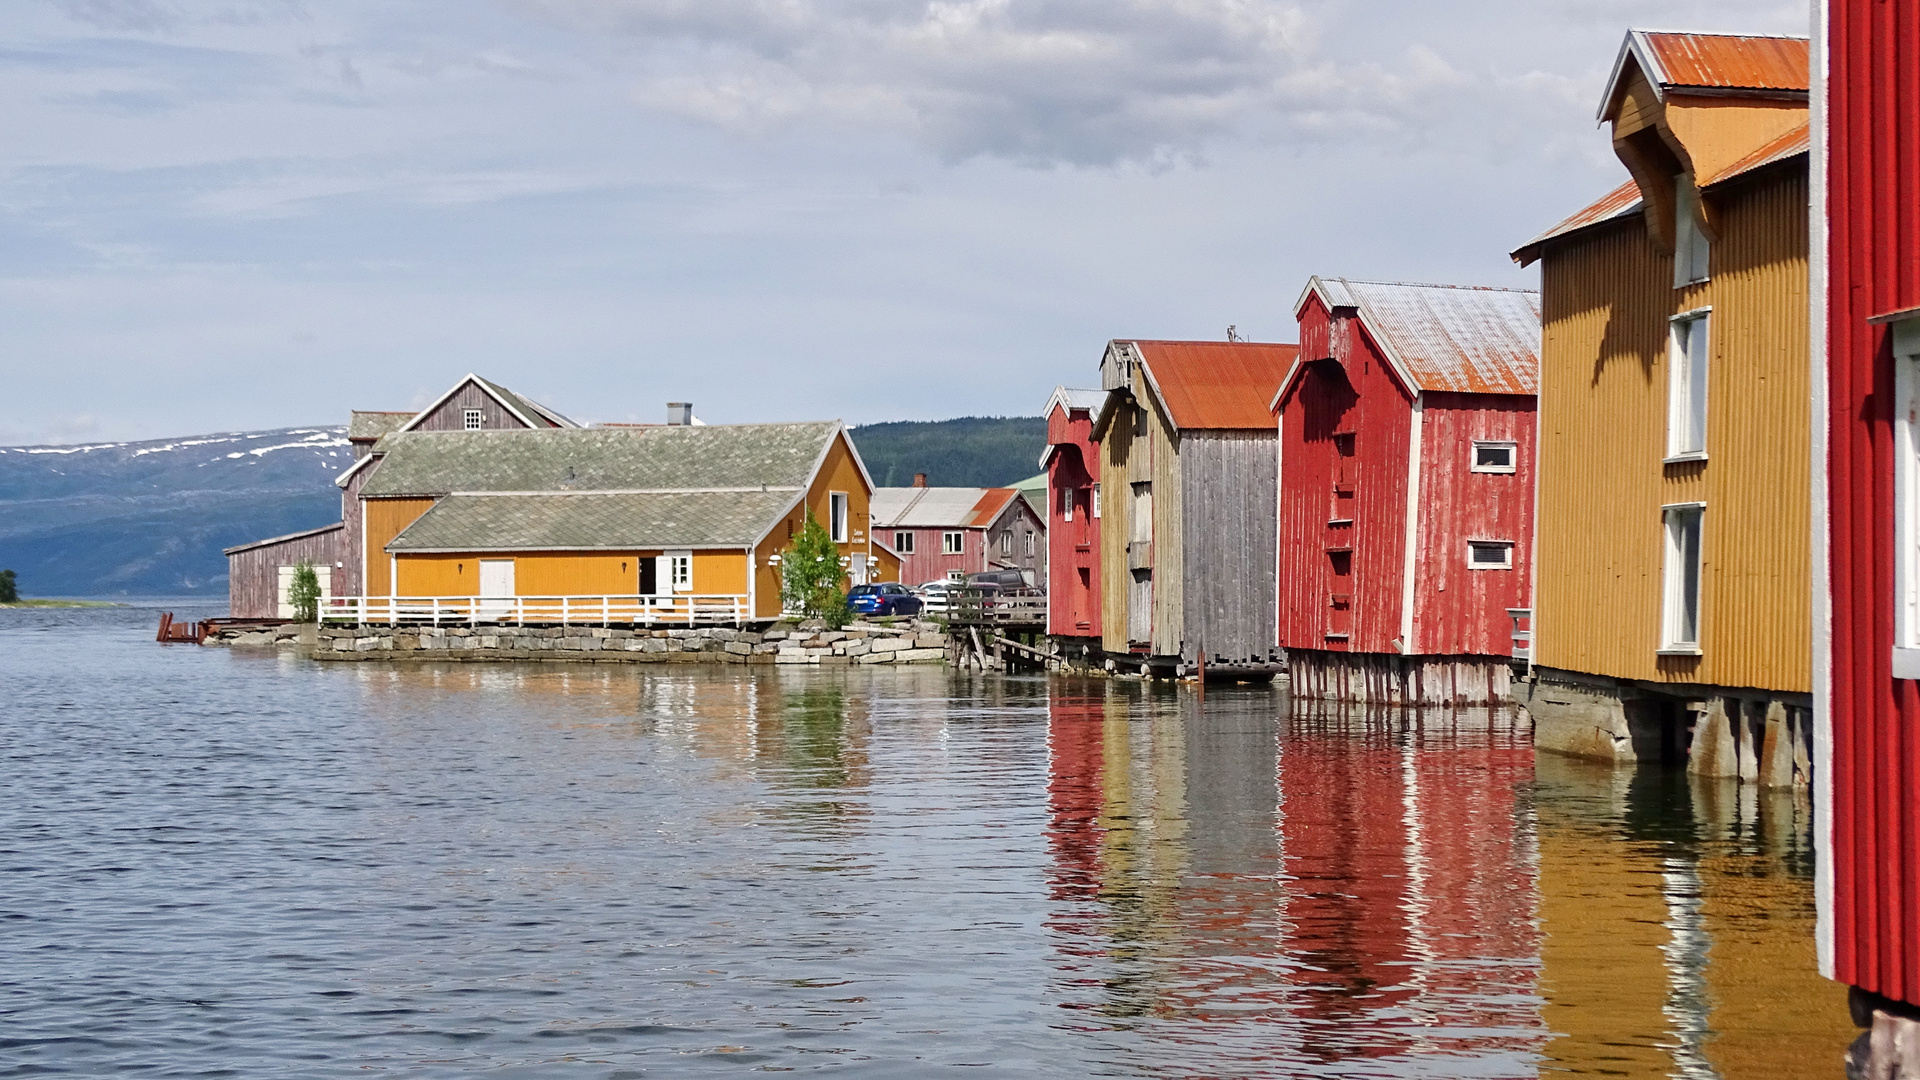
1691 249
473 419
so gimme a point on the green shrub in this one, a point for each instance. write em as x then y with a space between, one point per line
303 593
810 575
9 588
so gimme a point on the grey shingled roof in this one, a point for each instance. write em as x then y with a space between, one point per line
739 456
587 521
525 406
372 425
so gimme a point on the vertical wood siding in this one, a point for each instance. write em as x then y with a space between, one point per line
385 518
1329 397
1073 547
1117 454
253 575
1459 611
1169 511
1872 912
451 413
347 578
1607 299
1227 543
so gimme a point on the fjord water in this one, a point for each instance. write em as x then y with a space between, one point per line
239 863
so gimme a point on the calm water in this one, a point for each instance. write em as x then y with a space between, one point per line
221 863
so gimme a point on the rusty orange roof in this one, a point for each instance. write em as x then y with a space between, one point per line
1624 200
992 501
1717 64
1216 384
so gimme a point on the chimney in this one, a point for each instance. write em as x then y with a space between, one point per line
919 479
679 413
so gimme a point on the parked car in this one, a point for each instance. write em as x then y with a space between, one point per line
998 580
884 599
935 596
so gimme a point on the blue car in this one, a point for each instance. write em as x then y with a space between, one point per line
887 599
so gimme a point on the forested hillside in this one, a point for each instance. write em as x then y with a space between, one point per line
972 451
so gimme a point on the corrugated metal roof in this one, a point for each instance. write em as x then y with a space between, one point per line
1625 200
600 459
1216 384
362 425
938 507
592 520
1728 61
1716 64
1465 339
1075 398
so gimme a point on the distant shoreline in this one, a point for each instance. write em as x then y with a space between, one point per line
61 604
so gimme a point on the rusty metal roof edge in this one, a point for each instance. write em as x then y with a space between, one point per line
1638 45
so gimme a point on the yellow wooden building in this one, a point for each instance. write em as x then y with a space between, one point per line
1672 553
665 523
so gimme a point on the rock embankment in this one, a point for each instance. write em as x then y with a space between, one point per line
782 643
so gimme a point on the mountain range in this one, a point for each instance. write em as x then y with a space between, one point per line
150 518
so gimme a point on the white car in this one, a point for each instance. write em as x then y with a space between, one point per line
934 593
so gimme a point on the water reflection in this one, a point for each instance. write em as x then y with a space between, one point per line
608 871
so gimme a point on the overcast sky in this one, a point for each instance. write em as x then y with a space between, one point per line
223 214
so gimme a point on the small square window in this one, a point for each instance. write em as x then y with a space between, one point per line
1490 554
953 543
903 543
1494 456
473 419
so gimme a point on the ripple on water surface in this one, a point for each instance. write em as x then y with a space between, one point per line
227 863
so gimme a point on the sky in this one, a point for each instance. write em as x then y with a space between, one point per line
239 214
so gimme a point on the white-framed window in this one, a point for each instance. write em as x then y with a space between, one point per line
1094 507
1687 387
679 571
1066 504
837 515
1691 250
1680 578
903 543
1006 543
472 420
953 543
1906 499
1495 455
1489 554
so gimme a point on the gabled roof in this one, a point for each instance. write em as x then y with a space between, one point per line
364 426
1624 201
530 413
1457 338
1214 384
303 534
938 507
594 521
1071 398
1711 64
717 457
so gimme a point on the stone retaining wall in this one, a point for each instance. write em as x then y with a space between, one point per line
781 643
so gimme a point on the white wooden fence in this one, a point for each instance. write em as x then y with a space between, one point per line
705 609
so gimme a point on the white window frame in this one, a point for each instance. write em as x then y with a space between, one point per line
1692 252
1066 504
953 543
1030 545
473 419
678 573
1094 509
1688 380
837 516
1906 499
1512 448
903 542
1504 545
1006 542
1673 579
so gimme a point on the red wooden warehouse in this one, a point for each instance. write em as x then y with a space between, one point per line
1866 633
1406 489
1072 463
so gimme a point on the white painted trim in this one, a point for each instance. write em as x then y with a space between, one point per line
1703 316
347 473
616 548
1417 421
1506 544
1513 458
621 491
454 389
1821 584
1906 493
1668 644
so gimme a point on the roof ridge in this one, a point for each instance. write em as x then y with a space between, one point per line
1438 285
1715 33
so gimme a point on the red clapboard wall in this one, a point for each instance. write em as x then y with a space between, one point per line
1869 888
1073 533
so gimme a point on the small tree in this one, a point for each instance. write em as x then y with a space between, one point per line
9 588
810 575
303 593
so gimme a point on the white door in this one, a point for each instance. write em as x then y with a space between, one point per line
496 587
321 574
858 573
